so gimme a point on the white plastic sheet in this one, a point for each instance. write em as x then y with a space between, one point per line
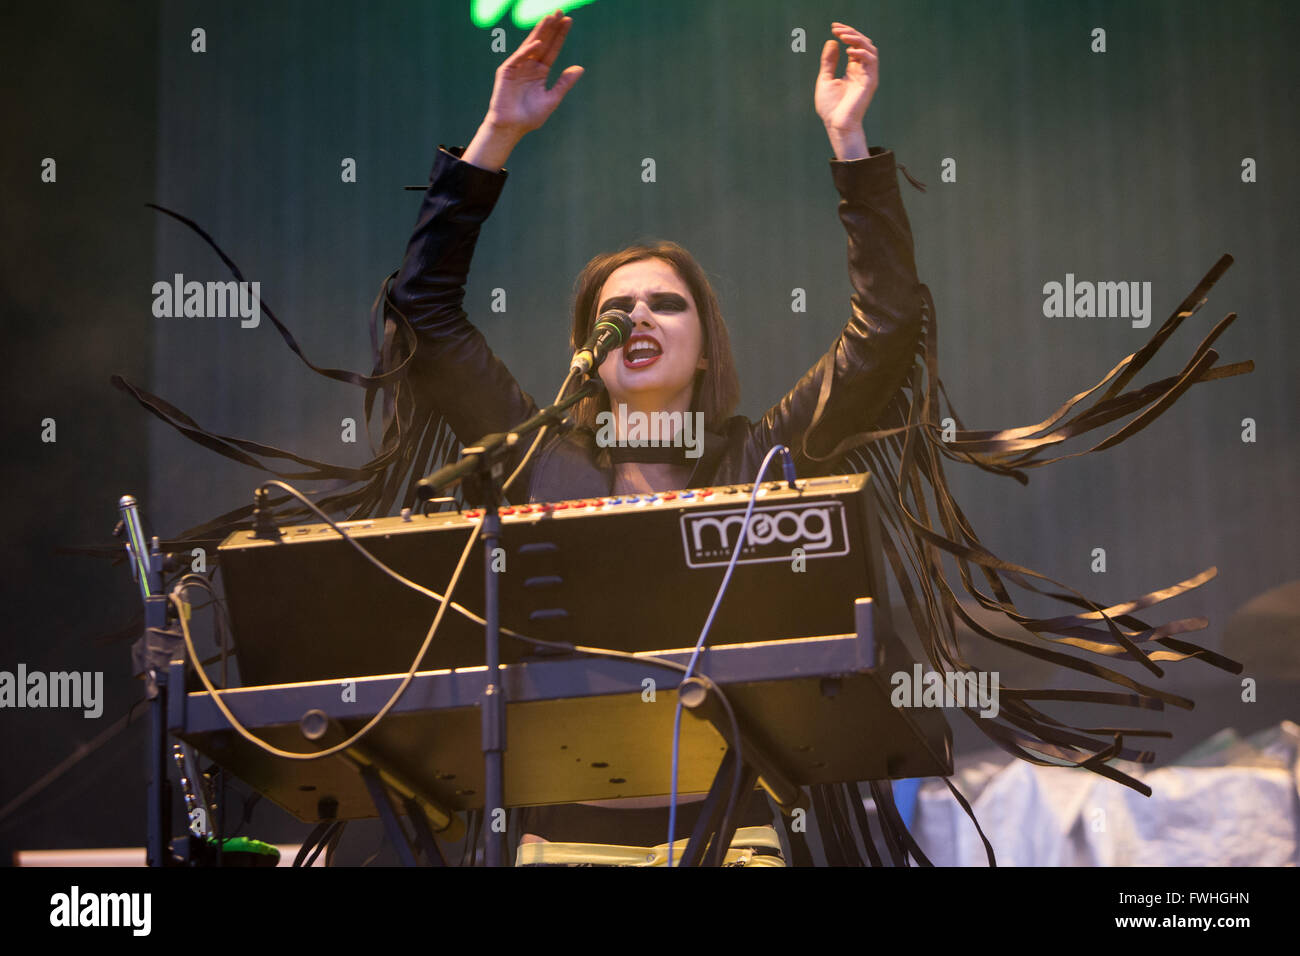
1230 802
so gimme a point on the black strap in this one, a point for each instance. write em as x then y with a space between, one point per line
988 847
882 792
800 852
841 829
893 844
864 826
831 846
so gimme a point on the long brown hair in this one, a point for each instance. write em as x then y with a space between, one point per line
717 389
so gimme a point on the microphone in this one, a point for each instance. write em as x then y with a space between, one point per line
613 328
136 547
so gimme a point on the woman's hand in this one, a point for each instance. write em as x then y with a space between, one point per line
520 100
842 103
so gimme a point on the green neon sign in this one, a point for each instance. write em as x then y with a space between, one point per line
525 13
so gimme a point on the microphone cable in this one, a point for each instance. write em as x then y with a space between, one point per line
719 851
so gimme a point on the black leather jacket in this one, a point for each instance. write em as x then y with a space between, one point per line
844 393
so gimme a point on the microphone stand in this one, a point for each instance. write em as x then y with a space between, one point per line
481 467
151 655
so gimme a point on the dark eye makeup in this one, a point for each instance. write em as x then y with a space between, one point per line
659 302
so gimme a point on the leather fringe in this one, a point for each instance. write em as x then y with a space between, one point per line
415 438
908 455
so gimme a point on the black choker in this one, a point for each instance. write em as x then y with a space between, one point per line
649 455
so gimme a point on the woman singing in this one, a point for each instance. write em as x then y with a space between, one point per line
867 404
677 359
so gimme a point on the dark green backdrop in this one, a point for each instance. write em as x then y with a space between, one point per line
1116 166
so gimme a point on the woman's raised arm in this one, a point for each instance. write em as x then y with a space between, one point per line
848 388
520 100
454 369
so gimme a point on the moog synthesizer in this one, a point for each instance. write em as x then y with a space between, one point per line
633 572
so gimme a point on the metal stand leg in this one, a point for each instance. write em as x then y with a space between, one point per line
710 822
160 789
493 703
396 835
423 833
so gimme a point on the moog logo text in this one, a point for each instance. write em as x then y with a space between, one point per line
774 531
